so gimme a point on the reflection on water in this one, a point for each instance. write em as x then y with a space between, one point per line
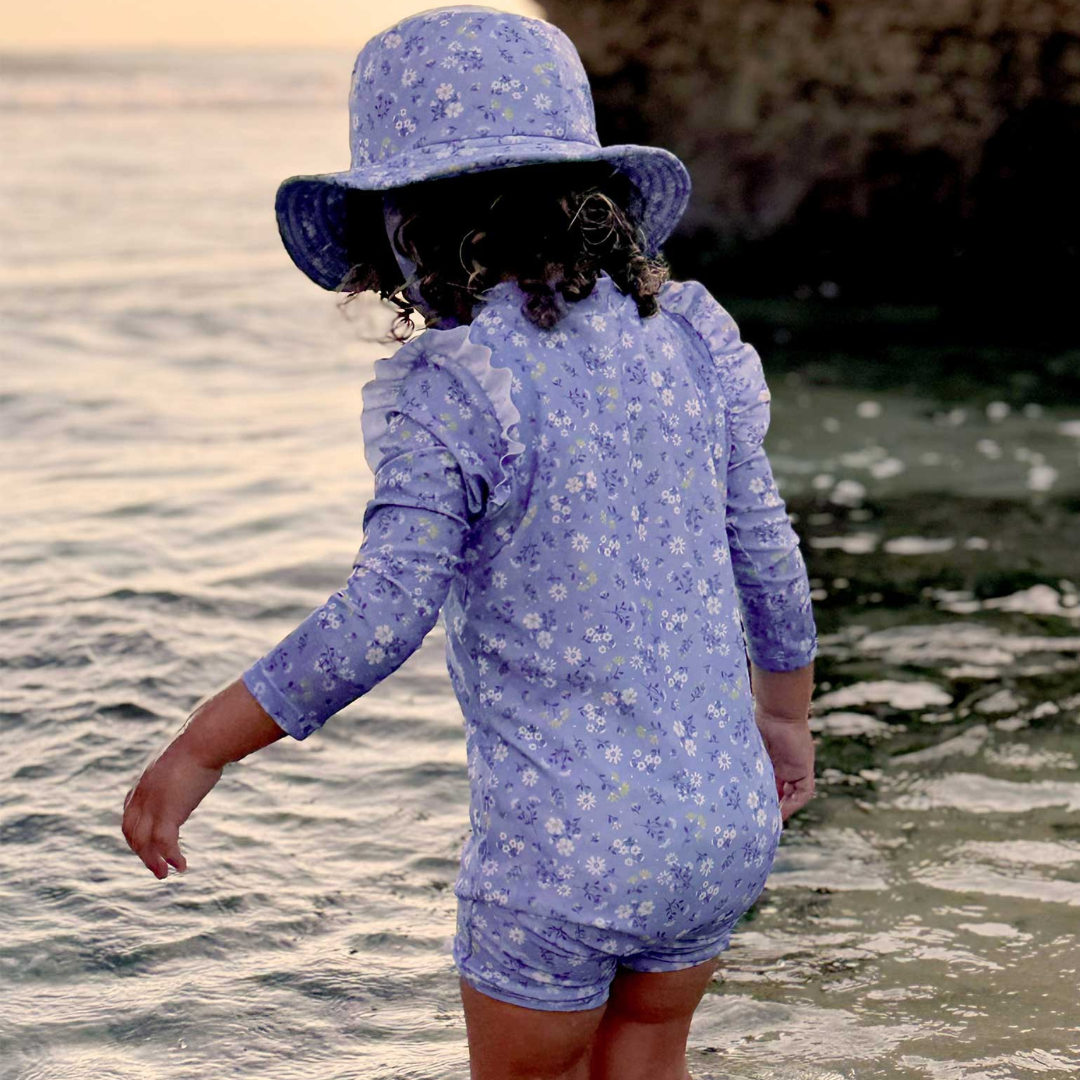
184 481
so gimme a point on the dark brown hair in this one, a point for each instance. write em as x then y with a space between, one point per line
552 227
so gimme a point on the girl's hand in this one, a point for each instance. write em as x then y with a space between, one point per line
791 749
223 729
154 809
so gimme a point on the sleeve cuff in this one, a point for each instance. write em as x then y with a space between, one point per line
788 660
276 704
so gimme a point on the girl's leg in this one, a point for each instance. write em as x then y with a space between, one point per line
512 1042
642 1035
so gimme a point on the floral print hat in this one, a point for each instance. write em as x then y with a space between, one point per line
460 89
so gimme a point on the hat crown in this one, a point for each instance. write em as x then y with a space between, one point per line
464 73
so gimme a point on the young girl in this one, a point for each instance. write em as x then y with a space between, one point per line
569 464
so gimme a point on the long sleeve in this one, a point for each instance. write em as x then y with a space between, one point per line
436 420
767 562
414 531
770 572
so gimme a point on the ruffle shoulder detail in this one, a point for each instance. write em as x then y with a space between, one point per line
448 385
737 365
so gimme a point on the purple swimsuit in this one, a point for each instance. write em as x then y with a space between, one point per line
592 510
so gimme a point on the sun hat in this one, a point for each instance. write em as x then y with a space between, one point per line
459 89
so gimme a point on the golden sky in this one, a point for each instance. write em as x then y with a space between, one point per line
97 24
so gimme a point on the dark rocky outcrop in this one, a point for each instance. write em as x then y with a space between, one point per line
903 149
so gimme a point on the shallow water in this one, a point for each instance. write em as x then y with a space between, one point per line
184 480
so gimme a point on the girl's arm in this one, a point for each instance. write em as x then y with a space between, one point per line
771 579
223 729
781 709
436 445
435 442
414 530
767 564
414 537
783 695
228 727
782 712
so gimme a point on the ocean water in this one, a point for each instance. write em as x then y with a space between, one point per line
183 481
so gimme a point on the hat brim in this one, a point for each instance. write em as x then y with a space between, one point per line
311 209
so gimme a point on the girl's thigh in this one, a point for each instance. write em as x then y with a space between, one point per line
643 1033
516 1042
658 997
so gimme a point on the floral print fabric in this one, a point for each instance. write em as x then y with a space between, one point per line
544 963
593 509
466 71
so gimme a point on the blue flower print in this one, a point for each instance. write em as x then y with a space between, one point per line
447 102
463 58
385 101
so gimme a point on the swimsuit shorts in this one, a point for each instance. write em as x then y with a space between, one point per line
551 964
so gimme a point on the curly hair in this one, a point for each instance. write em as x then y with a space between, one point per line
552 227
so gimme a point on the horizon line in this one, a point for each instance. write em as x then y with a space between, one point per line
88 50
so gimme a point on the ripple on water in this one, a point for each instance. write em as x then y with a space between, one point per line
835 859
976 793
905 695
846 724
956 641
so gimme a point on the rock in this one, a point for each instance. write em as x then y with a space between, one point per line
875 143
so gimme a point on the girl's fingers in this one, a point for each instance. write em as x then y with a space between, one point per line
139 841
803 793
796 795
174 856
157 848
161 848
140 832
151 860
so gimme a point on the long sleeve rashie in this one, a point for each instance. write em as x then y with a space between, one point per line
602 581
